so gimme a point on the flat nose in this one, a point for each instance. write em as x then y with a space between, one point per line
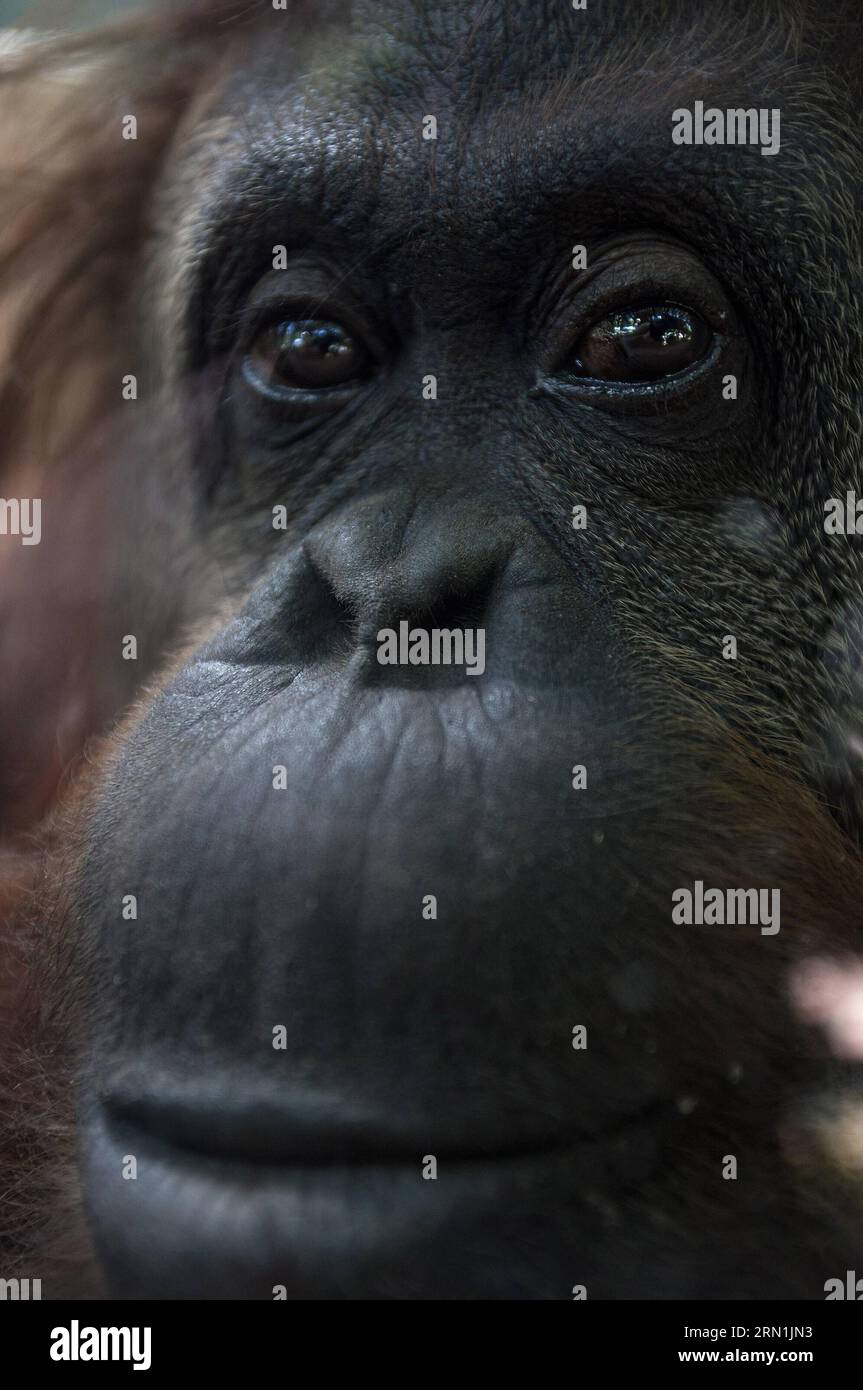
387 560
448 565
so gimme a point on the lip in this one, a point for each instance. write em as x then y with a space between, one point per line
313 1127
219 1223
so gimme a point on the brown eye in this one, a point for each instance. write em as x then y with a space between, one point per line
643 344
311 353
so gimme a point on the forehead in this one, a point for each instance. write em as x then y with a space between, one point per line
328 100
468 52
358 79
547 121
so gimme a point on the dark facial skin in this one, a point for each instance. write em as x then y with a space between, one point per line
302 907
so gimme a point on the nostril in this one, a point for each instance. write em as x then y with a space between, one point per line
460 609
442 640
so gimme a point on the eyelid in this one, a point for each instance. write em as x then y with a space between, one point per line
303 399
282 309
634 396
312 291
631 276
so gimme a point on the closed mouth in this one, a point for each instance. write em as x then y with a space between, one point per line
312 1129
237 1202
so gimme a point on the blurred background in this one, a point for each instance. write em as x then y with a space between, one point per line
60 14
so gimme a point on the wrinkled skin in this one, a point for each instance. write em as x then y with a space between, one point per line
407 1037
